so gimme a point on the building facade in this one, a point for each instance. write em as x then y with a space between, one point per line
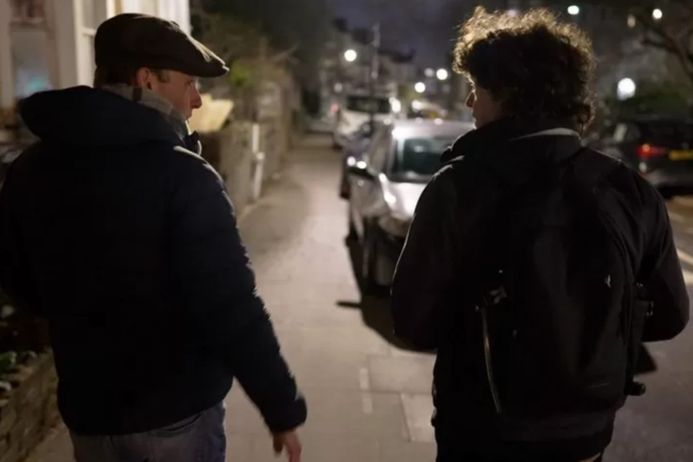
48 44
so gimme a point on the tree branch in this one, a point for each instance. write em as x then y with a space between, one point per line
658 44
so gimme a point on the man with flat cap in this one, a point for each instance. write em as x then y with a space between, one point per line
115 229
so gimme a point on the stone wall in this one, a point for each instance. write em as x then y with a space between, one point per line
230 152
30 410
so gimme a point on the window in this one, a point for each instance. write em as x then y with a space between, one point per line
620 133
367 104
419 158
667 132
379 155
28 11
632 134
93 13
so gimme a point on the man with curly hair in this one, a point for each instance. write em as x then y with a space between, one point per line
534 266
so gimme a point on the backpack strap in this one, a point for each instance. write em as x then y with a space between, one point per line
591 167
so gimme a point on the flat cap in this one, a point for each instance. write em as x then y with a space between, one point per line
147 41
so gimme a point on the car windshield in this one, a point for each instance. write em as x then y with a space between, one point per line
368 104
667 132
418 159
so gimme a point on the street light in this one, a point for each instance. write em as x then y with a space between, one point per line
573 10
632 21
396 105
657 14
429 72
442 74
625 89
350 55
420 87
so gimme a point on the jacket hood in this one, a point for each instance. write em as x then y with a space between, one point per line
88 117
511 145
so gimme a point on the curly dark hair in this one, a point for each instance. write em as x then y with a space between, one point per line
532 63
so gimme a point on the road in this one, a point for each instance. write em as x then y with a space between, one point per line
369 398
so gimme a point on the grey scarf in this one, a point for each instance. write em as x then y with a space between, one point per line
151 100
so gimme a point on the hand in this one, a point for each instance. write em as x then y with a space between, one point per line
289 441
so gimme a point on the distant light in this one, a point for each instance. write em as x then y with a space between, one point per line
632 21
420 87
573 10
338 87
390 198
657 14
438 121
396 105
416 105
350 55
442 74
626 89
513 12
429 72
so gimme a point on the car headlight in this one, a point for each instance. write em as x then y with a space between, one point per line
395 225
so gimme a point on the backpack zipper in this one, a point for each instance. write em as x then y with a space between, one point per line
487 362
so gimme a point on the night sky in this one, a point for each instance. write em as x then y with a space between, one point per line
425 25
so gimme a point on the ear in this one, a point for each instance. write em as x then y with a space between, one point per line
144 78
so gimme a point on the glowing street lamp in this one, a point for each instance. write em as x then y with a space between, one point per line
442 74
350 55
625 89
420 87
632 21
657 14
573 10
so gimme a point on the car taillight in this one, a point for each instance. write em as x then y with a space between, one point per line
648 151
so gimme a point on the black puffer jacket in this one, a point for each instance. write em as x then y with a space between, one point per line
127 243
439 273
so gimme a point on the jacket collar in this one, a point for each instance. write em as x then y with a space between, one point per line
514 134
175 119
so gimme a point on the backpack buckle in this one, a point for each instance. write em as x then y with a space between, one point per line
495 297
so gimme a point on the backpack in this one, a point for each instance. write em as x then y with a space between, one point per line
560 328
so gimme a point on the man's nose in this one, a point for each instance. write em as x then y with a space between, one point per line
196 101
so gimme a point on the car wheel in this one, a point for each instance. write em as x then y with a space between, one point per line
351 237
344 187
369 258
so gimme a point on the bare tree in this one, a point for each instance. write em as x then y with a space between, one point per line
666 25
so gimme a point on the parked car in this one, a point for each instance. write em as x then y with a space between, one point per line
661 149
353 151
354 111
385 185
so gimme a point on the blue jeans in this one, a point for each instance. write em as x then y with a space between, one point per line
198 438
